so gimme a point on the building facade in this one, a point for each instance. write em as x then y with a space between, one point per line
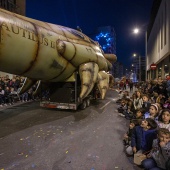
118 70
16 6
106 37
158 40
139 63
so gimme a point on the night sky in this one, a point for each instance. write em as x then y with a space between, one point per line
123 15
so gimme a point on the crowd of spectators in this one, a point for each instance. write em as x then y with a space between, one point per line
9 88
147 108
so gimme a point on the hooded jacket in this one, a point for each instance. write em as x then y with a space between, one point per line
142 139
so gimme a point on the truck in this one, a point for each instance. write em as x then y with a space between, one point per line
65 95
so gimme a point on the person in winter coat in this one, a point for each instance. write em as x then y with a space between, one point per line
142 137
146 102
128 134
160 152
138 102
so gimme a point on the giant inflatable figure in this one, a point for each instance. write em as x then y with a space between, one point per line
49 53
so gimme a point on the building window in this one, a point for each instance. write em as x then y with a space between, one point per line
9 5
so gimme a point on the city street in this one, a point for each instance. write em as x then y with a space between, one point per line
53 51
43 139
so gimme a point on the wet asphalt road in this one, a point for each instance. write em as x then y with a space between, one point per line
34 138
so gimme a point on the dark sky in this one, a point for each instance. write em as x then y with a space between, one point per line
123 15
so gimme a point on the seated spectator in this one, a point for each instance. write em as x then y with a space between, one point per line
154 97
2 82
126 95
142 137
164 119
2 97
166 105
14 95
8 96
146 103
138 102
160 106
139 114
30 94
129 113
24 97
160 151
122 107
160 99
153 112
128 134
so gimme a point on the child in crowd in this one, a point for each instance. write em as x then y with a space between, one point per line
139 114
138 102
160 99
146 103
8 96
160 152
2 97
126 95
154 97
164 119
128 134
129 114
153 112
123 106
166 105
133 97
160 106
142 137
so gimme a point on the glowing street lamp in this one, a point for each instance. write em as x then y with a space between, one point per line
136 31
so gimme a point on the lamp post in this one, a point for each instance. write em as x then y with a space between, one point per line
139 62
137 31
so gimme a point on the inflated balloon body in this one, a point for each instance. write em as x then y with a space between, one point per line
47 52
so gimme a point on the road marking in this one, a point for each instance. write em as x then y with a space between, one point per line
105 105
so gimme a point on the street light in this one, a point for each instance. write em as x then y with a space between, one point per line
139 57
136 31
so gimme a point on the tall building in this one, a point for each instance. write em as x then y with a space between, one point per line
106 37
118 70
16 6
158 42
139 63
